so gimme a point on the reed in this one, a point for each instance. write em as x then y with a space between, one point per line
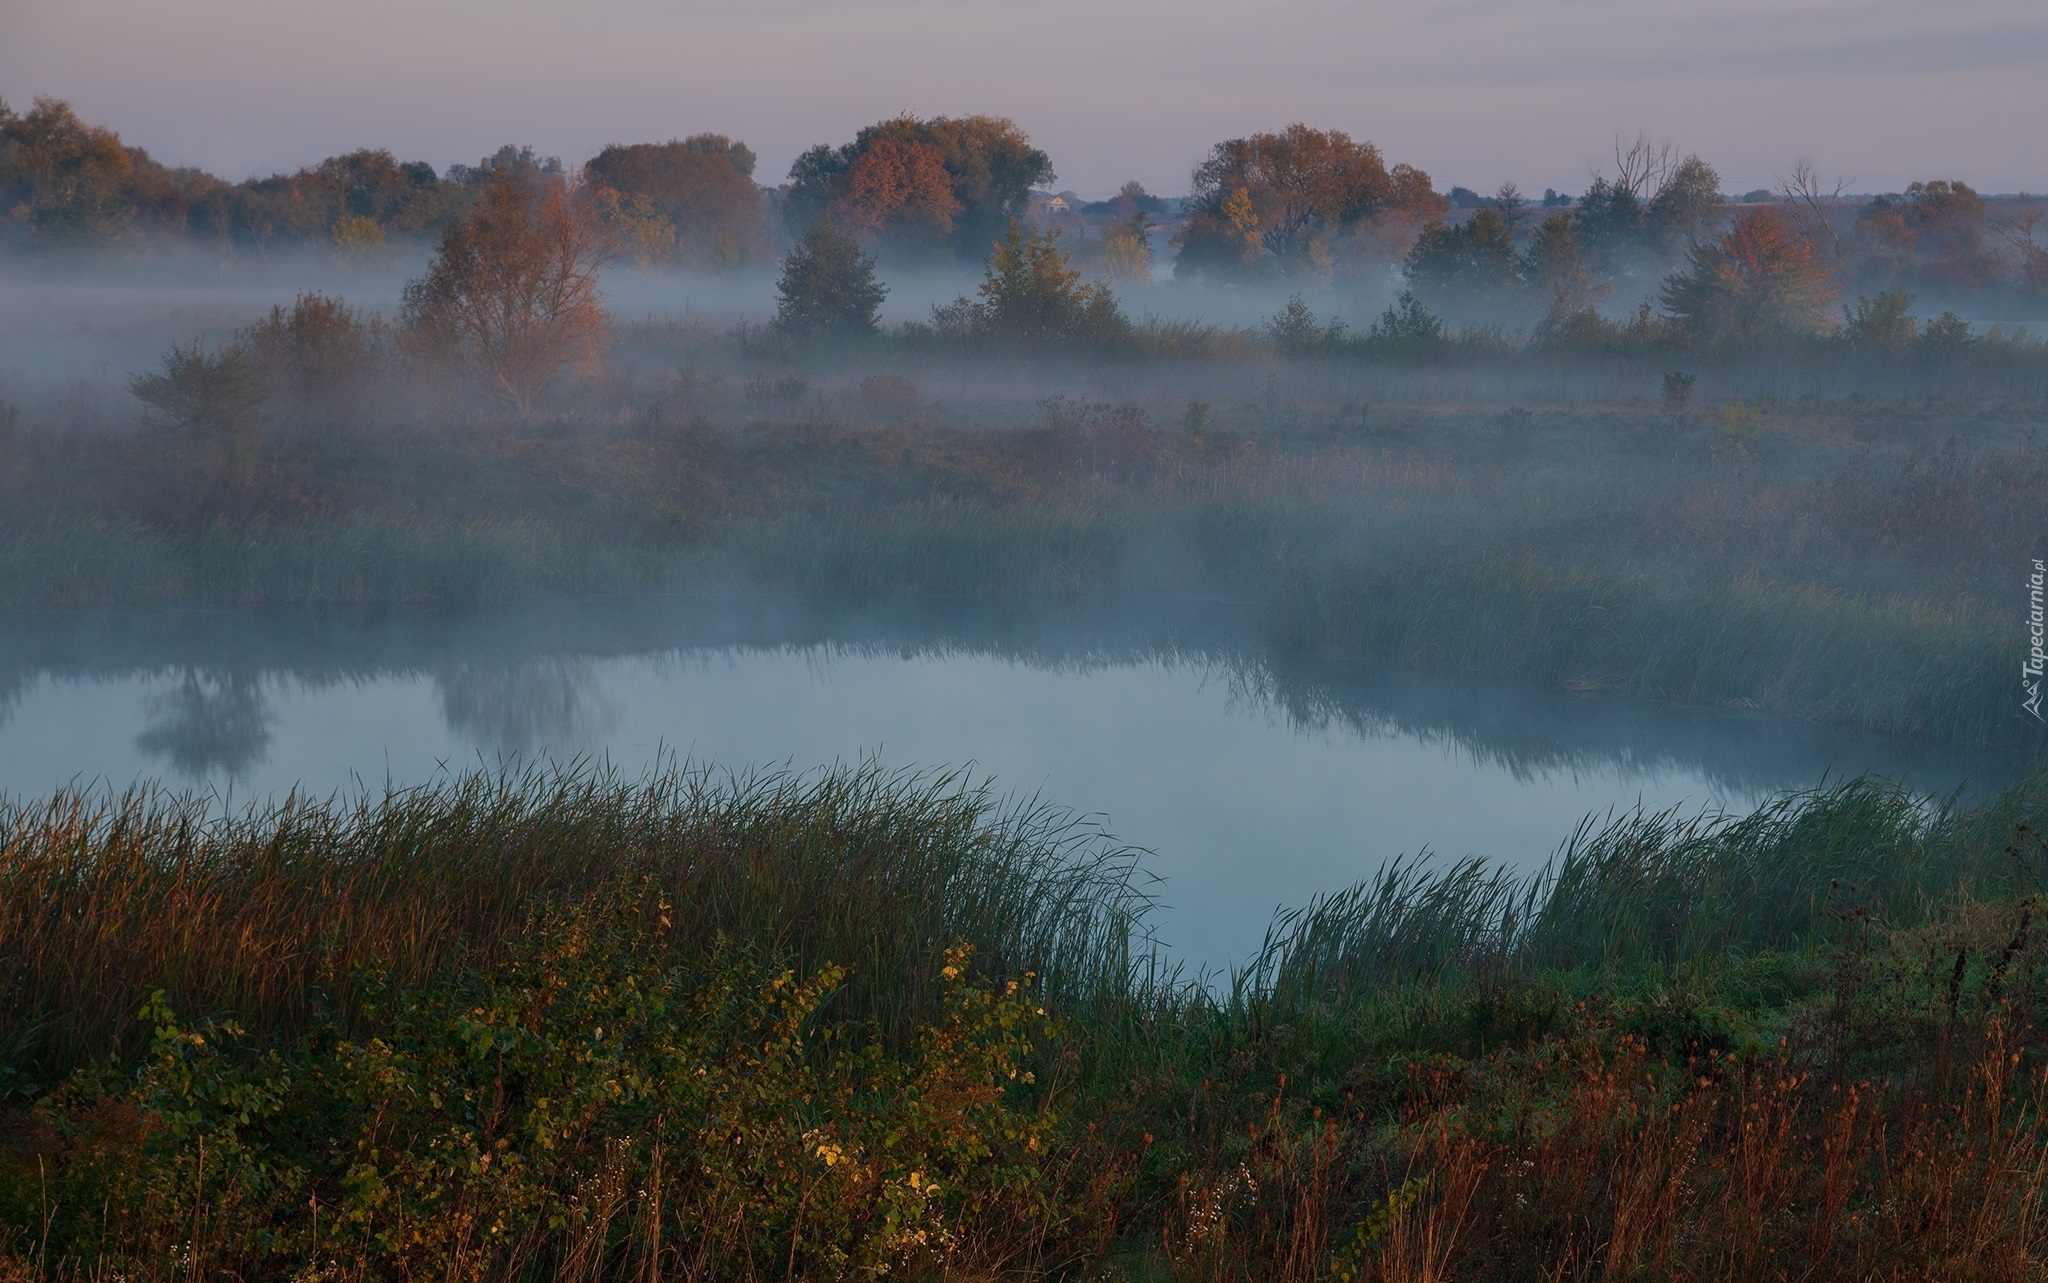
264 914
1664 888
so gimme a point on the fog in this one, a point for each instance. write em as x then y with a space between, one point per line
1260 581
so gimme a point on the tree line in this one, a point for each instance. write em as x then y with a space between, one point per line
1301 204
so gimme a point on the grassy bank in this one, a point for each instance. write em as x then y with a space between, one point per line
1894 665
1840 561
853 1024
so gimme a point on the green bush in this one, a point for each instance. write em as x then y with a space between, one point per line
582 1101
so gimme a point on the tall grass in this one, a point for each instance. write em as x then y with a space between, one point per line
264 913
696 1026
1659 887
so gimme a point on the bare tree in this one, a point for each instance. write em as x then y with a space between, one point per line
1809 198
512 292
1642 168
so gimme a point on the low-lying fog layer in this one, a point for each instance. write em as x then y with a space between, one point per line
1258 782
1465 588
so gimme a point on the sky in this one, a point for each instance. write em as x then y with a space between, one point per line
1877 92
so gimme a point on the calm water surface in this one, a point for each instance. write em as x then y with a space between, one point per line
1257 778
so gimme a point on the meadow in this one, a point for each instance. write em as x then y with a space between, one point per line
575 1025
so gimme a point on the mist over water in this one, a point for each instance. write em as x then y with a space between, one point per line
1256 779
1379 498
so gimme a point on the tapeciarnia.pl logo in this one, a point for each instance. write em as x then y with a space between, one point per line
2030 672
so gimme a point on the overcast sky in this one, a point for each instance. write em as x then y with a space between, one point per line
1474 91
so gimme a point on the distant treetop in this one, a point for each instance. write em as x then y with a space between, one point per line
920 186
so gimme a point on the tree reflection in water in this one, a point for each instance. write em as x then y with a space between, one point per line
553 702
210 721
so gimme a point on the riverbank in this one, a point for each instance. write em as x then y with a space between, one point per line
1835 561
575 1024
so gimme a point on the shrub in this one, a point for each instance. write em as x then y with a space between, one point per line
1882 323
1407 327
889 394
216 398
580 1099
320 351
1295 331
1945 337
1678 387
828 287
1757 281
1032 296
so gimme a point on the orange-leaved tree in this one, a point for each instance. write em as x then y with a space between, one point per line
511 295
1275 201
898 188
1758 279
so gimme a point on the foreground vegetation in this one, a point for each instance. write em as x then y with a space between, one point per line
854 1024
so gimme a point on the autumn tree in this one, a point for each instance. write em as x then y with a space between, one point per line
62 179
354 203
828 287
397 196
1687 208
993 168
1882 244
511 294
700 189
1131 201
920 185
516 163
1123 253
1274 202
896 191
1949 224
1757 280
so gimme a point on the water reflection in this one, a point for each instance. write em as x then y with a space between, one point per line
554 702
568 679
1260 777
209 723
